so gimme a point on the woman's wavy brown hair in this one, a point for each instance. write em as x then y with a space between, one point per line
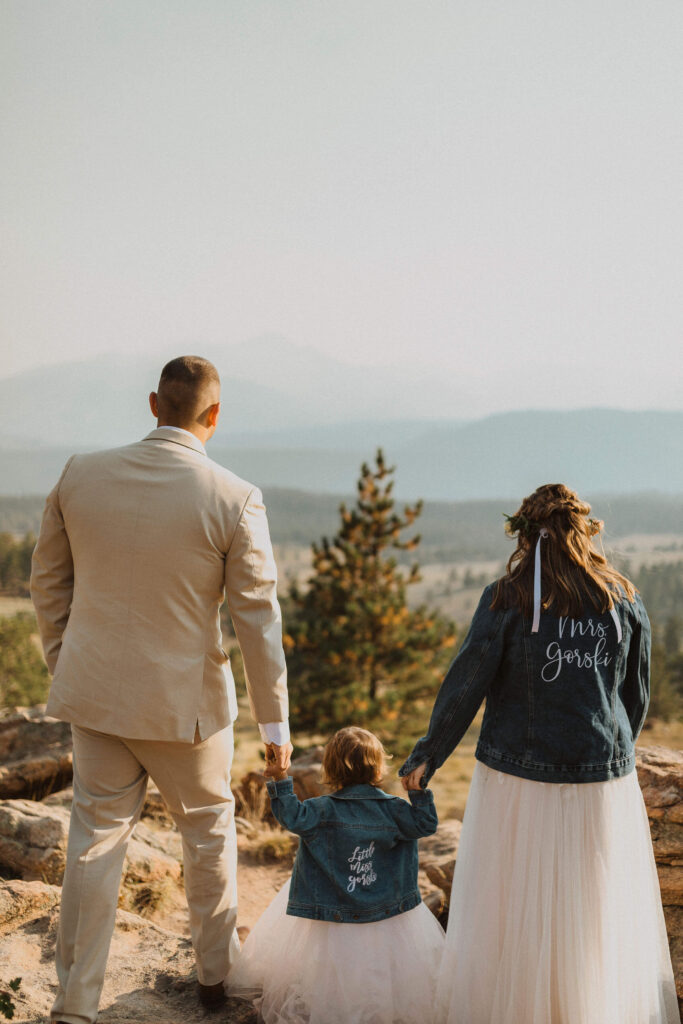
572 571
353 756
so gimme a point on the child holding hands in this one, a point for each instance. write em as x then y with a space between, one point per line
348 939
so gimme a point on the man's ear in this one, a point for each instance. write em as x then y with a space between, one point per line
154 404
212 414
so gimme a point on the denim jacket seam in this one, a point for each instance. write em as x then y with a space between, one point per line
643 715
613 701
646 702
530 692
528 763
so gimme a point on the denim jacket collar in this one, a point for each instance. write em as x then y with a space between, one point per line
361 791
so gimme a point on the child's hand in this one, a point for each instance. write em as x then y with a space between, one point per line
414 780
278 759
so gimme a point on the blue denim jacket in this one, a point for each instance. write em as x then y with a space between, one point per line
357 857
565 704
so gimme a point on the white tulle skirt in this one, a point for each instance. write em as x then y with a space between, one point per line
556 916
319 972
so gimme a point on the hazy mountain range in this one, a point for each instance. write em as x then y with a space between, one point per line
296 419
269 384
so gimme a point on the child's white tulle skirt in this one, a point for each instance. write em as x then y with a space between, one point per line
556 916
319 972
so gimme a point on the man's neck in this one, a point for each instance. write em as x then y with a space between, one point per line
183 430
202 438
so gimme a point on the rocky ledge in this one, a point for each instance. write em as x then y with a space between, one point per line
660 772
150 975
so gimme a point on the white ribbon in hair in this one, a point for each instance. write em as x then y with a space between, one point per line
537 582
613 613
537 590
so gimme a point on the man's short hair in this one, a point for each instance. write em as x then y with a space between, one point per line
183 388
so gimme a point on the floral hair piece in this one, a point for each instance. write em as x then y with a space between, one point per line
519 523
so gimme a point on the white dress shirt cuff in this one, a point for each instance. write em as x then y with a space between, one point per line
275 732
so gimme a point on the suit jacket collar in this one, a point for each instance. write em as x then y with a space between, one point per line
168 434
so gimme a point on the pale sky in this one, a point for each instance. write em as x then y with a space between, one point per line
481 186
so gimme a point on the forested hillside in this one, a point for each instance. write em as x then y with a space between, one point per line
451 531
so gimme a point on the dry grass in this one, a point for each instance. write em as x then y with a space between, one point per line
251 800
148 898
662 734
273 846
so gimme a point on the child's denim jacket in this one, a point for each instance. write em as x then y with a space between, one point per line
357 858
564 704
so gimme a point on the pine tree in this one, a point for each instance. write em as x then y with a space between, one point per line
356 652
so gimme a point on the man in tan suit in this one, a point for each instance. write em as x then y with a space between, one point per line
137 548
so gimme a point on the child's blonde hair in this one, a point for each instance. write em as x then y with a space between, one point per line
353 756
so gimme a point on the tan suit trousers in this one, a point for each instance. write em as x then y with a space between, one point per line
110 780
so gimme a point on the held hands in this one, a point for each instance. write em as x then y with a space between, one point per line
413 780
278 760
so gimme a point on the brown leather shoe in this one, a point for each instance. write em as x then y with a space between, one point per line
212 997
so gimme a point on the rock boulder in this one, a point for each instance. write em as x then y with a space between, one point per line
660 773
35 754
33 839
437 855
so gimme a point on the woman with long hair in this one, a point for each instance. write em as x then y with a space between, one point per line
555 914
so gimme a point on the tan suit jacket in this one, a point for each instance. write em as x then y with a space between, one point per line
137 547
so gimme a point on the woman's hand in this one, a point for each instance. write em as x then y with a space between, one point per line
413 780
